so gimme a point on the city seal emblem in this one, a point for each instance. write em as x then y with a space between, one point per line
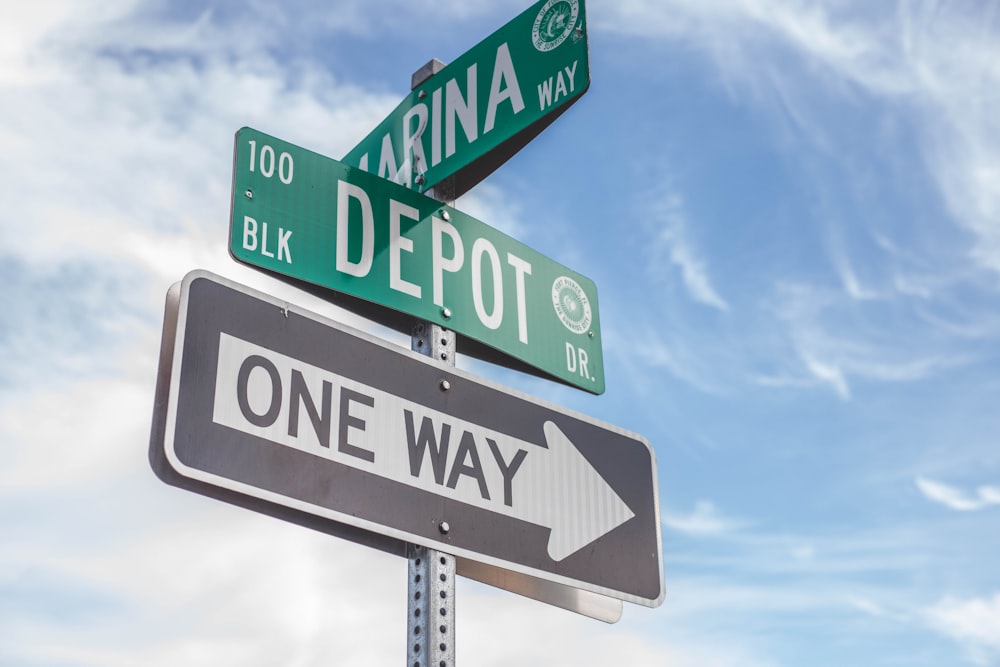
554 23
571 305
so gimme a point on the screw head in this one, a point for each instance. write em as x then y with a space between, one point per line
422 94
446 216
445 385
248 193
446 313
444 528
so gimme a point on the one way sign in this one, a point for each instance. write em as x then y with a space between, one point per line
272 402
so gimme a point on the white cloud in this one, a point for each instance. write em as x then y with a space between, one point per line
951 56
25 29
973 623
839 338
867 606
937 66
110 147
848 276
671 246
124 167
50 434
957 499
202 583
679 356
705 520
828 374
487 202
927 73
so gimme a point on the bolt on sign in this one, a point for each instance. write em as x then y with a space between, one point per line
268 401
314 219
469 118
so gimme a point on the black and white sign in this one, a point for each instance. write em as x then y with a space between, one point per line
273 403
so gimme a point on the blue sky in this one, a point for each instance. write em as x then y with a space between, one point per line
791 210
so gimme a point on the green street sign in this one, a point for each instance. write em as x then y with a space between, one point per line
314 219
470 117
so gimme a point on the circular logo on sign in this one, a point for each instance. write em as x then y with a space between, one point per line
571 304
554 23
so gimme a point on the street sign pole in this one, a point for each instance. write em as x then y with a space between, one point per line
431 573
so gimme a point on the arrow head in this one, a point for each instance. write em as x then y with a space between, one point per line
583 506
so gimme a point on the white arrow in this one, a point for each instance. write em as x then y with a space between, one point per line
292 403
580 505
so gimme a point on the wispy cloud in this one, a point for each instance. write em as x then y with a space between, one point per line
674 355
955 86
842 264
974 623
704 520
672 247
957 499
936 63
861 317
840 339
827 373
677 297
753 578
868 606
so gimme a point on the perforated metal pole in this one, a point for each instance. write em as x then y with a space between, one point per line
431 609
431 587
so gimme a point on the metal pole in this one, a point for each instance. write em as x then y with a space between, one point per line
431 583
431 609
